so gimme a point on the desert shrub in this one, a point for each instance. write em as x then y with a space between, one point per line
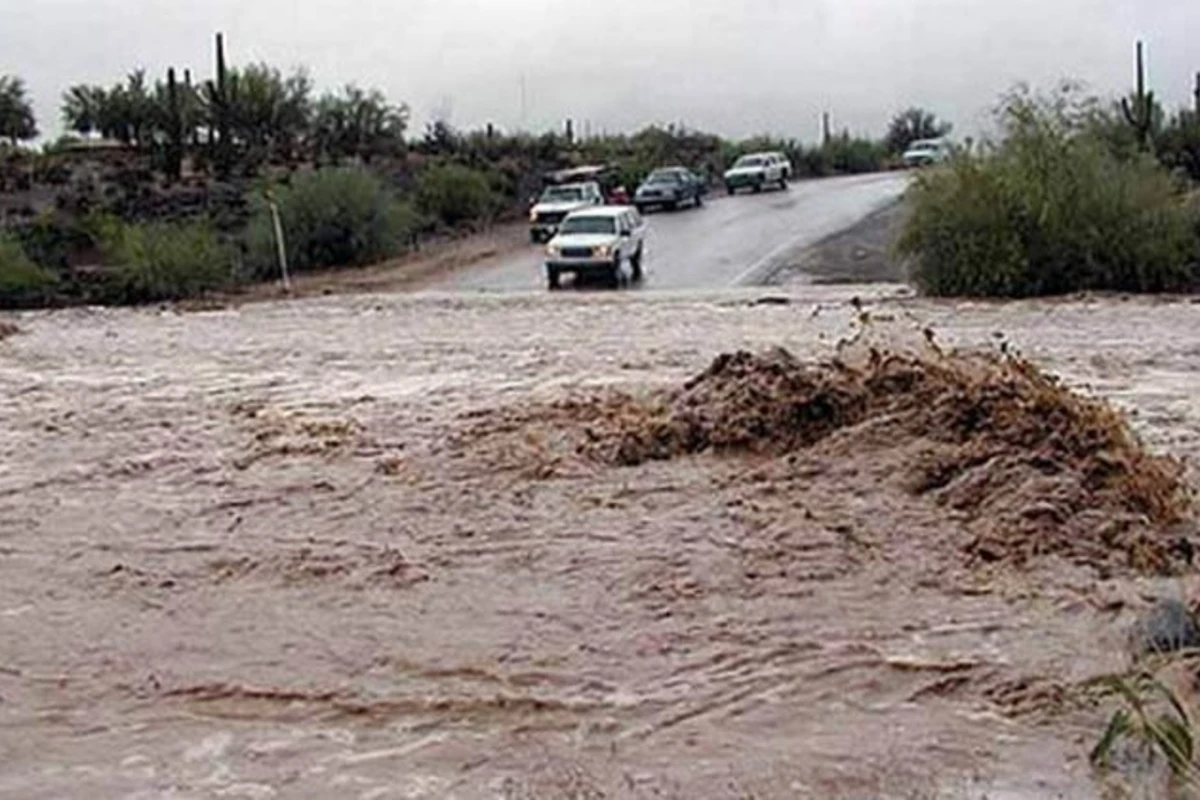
163 261
333 217
454 195
23 284
852 155
1048 210
1178 144
48 240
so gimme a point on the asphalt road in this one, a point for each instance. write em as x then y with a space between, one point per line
731 241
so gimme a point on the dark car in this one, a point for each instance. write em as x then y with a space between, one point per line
670 188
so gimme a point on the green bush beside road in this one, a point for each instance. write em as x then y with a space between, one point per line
333 217
161 261
23 284
1049 209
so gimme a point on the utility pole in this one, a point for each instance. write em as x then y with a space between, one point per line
825 132
524 103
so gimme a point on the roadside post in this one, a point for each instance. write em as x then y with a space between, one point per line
280 244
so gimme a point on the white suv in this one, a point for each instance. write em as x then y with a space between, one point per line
758 170
598 242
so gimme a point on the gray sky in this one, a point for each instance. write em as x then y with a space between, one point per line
737 68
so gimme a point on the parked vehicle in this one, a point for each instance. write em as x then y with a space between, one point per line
924 152
598 242
556 202
670 188
757 171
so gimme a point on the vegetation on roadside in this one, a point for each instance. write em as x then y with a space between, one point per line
160 261
333 217
23 284
1051 208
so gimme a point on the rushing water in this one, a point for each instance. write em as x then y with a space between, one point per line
292 550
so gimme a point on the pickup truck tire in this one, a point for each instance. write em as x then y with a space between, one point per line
732 191
552 279
699 200
535 237
635 265
783 183
758 187
642 209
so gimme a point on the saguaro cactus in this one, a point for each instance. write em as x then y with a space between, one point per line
219 97
1140 112
175 128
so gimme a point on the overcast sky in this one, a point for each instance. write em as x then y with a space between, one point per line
736 67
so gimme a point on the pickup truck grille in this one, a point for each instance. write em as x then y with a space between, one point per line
551 217
577 252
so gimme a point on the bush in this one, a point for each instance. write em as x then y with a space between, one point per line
849 155
23 284
163 261
1049 210
454 195
334 217
1178 144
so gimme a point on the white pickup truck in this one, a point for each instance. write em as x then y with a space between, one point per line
598 242
558 201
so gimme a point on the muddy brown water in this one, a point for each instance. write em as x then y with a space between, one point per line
308 549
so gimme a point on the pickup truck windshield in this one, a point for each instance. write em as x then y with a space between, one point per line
562 195
749 161
588 225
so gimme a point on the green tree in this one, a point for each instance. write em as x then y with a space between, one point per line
271 113
912 124
17 123
127 112
82 108
358 124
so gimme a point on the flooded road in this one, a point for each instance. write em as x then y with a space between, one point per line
328 548
732 241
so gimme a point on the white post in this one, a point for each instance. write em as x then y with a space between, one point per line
280 245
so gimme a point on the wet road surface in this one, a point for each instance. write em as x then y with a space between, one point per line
731 241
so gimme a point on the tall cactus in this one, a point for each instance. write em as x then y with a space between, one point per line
176 143
219 97
1140 113
190 113
1197 93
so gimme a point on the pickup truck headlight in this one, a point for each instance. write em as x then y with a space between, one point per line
553 250
603 251
533 216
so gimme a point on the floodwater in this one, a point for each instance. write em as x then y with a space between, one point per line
318 549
